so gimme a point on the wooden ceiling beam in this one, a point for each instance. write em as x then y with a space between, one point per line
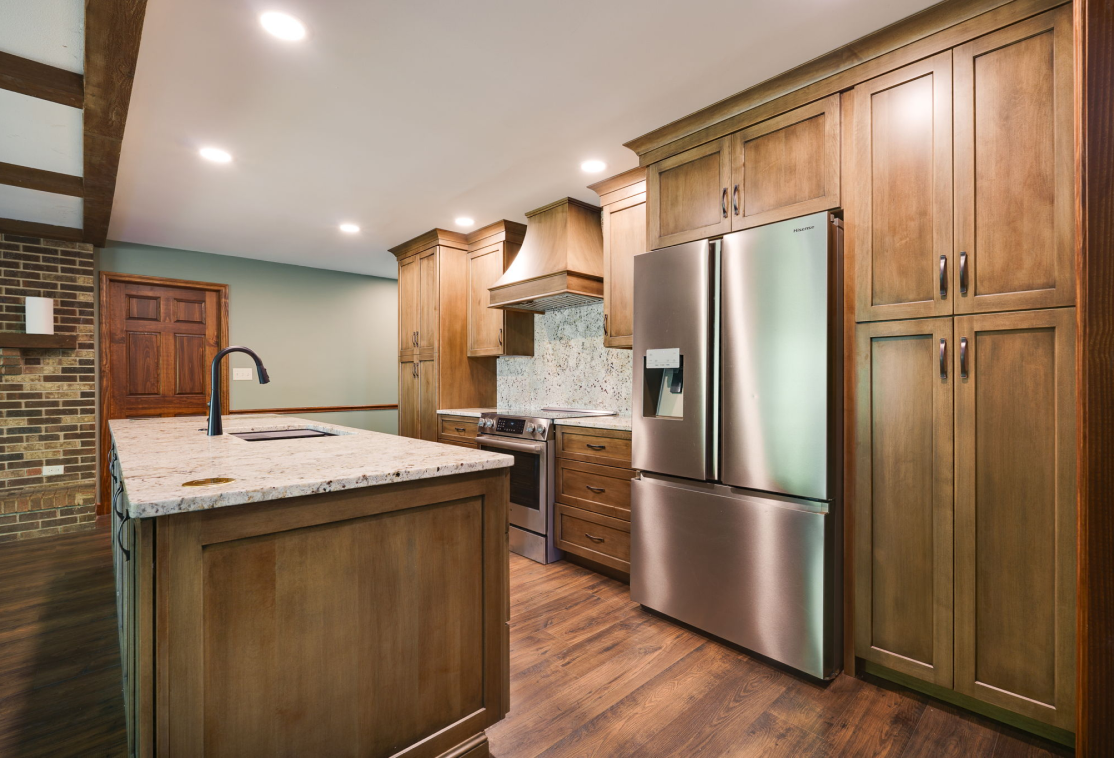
35 229
39 80
112 33
38 179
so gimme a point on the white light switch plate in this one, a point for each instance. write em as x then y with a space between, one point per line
53 470
241 373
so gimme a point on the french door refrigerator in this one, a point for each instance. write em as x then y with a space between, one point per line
736 430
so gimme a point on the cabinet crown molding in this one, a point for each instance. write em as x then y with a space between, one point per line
432 238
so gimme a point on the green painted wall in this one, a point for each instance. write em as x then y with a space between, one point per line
326 337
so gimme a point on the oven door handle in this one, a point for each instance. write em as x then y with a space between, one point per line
523 446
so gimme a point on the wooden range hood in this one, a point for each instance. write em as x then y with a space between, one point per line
560 264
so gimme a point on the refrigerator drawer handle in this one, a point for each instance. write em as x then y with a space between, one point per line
943 358
597 447
593 537
595 489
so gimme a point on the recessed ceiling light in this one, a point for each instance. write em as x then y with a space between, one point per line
349 228
593 166
464 221
283 26
215 154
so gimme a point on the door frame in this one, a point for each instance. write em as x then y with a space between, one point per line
104 367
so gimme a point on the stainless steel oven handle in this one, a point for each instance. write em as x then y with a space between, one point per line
524 446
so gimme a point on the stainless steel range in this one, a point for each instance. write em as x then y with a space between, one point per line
529 436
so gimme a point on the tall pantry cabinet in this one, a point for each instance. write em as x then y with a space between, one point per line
959 200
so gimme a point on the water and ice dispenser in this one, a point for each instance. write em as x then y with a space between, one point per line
663 383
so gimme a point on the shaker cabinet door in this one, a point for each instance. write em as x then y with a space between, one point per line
902 185
409 294
485 325
624 236
408 400
688 195
427 400
1015 478
427 301
1014 167
903 517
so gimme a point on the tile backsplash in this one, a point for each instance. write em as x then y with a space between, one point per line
570 367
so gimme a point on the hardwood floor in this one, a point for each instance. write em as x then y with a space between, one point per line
592 675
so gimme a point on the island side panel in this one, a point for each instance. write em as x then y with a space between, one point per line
373 619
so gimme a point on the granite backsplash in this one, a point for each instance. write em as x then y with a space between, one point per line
570 367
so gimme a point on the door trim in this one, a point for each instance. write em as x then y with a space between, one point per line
104 368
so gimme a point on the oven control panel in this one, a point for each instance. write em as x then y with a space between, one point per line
510 425
515 426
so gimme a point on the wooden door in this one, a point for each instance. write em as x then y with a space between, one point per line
427 301
787 166
687 195
1015 512
624 236
902 177
1014 167
408 399
409 297
903 506
427 399
158 338
486 326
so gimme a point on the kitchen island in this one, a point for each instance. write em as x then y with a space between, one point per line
341 594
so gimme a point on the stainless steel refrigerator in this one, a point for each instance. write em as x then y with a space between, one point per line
735 517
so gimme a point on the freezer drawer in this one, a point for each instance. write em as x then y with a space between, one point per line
760 571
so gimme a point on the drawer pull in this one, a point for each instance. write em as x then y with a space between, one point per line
593 538
595 489
460 428
597 447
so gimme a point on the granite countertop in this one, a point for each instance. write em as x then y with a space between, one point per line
158 455
618 423
471 412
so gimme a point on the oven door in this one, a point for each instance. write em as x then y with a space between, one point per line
531 488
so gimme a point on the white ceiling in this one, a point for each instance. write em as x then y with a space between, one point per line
401 116
46 31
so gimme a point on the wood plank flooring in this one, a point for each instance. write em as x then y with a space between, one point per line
592 675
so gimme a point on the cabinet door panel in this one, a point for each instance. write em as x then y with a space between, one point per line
485 325
427 400
624 236
903 188
408 400
787 166
687 195
1015 513
1014 192
409 294
903 511
428 303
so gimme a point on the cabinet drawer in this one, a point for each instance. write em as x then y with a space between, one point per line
604 446
590 535
602 489
457 426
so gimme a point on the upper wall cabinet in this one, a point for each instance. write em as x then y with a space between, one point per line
623 199
784 167
417 304
1014 167
494 331
901 171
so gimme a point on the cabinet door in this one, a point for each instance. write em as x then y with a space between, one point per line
409 295
903 504
787 166
485 325
902 179
687 195
624 236
408 400
427 400
1015 512
1014 167
428 305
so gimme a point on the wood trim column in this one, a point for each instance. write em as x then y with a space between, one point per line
1094 64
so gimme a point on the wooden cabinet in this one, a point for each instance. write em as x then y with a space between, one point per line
623 199
606 447
495 331
1014 167
783 167
1015 488
605 490
457 430
409 303
598 538
901 216
903 515
428 300
409 399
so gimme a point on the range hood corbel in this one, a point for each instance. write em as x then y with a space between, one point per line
560 264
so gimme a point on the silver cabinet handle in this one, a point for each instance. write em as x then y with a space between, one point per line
723 202
943 276
414 369
500 336
735 199
594 489
597 447
460 428
963 358
605 324
943 358
963 273
593 537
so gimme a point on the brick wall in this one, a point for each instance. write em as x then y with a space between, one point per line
47 397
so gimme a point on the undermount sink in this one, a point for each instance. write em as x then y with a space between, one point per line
270 435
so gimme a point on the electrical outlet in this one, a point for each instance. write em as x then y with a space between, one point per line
239 374
53 470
